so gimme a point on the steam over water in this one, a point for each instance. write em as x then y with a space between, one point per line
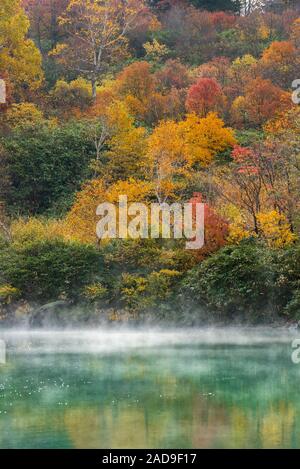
126 388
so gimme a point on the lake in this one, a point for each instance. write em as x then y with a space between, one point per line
154 388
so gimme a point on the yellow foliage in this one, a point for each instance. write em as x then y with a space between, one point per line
80 223
126 153
205 138
77 95
195 140
8 294
26 230
114 128
136 191
18 55
243 62
237 230
155 51
24 114
94 292
264 32
174 148
275 229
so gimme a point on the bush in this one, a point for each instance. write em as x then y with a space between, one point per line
237 281
69 96
287 286
45 166
49 270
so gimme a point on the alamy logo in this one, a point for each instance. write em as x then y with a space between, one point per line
2 92
296 93
140 221
2 352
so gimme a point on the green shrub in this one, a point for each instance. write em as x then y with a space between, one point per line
45 166
47 270
237 281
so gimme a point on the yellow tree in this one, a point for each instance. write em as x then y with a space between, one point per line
167 157
176 149
80 223
18 55
276 229
97 34
205 138
112 129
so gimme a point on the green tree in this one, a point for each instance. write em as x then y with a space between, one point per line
48 270
45 166
236 282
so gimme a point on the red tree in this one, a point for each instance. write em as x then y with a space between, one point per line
215 229
204 96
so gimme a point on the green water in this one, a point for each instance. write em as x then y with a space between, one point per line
154 389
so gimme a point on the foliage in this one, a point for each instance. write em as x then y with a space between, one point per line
98 34
69 97
19 57
236 281
8 294
45 166
204 96
163 101
24 115
47 270
275 229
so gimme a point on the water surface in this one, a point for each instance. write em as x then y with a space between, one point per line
210 388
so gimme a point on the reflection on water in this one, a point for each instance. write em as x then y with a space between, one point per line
130 389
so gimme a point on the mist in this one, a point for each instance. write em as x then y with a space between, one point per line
107 340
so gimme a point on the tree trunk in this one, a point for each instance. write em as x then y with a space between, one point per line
94 89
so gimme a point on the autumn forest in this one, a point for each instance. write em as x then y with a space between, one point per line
164 101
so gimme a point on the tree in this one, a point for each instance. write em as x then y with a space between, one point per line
176 149
19 57
263 100
24 115
81 221
236 282
167 157
120 145
172 75
276 229
44 21
242 70
280 63
49 270
218 5
241 184
204 96
97 34
46 165
205 138
67 98
215 229
137 86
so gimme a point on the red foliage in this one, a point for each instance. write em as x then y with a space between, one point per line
173 75
215 229
222 20
264 100
246 159
204 96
